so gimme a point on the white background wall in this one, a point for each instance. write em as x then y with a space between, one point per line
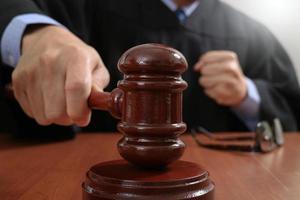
282 17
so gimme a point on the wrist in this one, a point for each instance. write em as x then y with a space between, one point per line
244 91
32 34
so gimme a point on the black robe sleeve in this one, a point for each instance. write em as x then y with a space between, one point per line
263 60
272 71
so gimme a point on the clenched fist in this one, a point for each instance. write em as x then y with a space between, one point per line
222 77
54 77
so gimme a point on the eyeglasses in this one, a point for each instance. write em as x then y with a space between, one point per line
266 138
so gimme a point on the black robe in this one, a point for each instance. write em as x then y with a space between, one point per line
112 26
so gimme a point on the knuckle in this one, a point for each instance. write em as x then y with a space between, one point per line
27 112
209 93
76 86
205 70
79 120
24 75
105 81
107 78
230 67
204 56
19 76
94 52
200 80
17 85
15 82
232 55
65 122
219 101
15 77
25 107
203 81
75 49
43 121
80 54
56 116
223 89
30 77
220 89
228 86
46 59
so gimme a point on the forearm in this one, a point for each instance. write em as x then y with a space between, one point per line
273 73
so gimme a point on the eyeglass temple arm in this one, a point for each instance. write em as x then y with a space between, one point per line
232 147
224 138
244 148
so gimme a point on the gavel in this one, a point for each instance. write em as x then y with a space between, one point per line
148 102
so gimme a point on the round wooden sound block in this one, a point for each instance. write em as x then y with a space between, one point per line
119 180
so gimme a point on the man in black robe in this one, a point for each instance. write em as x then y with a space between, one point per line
57 68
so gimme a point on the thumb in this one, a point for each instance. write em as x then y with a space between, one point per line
198 66
100 78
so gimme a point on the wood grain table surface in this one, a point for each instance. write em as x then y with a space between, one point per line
55 171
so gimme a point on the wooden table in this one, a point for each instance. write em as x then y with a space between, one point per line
55 171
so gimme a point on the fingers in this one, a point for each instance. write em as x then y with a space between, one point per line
222 78
54 77
37 104
219 94
20 93
29 97
223 88
54 96
77 90
211 81
214 57
22 98
100 78
214 69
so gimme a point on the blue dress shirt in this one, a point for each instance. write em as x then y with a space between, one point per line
12 36
248 110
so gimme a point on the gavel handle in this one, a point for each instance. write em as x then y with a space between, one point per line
106 101
99 100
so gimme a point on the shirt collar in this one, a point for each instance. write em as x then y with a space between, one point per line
188 10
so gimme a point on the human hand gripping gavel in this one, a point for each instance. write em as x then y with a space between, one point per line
149 103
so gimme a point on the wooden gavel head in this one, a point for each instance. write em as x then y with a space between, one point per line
149 103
